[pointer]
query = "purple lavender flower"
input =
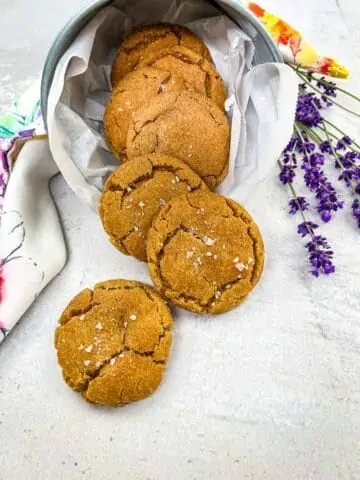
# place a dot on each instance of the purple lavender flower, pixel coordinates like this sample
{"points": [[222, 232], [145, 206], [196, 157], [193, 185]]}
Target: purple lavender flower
{"points": [[317, 182], [321, 256], [292, 144], [307, 228], [356, 211], [298, 204], [306, 147], [307, 111], [287, 175], [329, 88], [326, 147]]}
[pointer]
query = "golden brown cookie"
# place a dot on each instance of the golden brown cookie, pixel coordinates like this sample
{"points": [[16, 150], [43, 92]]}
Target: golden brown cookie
{"points": [[131, 92], [152, 38], [205, 253], [135, 192], [185, 125], [113, 343], [197, 73]]}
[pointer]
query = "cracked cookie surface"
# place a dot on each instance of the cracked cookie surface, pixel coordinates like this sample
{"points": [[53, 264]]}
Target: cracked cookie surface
{"points": [[197, 73], [113, 342], [149, 39], [135, 192], [185, 125], [130, 93], [205, 253]]}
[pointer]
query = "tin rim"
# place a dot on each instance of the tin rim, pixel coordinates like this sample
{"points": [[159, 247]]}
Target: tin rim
{"points": [[69, 32]]}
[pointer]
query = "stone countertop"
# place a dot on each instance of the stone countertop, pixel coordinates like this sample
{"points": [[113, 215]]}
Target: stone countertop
{"points": [[268, 391]]}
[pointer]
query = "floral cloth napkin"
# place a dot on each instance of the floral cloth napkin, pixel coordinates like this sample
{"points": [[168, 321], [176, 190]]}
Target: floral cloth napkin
{"points": [[28, 217]]}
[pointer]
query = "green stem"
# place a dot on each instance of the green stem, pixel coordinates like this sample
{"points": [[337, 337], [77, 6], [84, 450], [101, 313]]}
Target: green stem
{"points": [[340, 131], [295, 197], [304, 79], [312, 134], [335, 86], [298, 132], [349, 147]]}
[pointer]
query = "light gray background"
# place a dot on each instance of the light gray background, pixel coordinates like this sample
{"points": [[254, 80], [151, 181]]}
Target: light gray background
{"points": [[269, 391]]}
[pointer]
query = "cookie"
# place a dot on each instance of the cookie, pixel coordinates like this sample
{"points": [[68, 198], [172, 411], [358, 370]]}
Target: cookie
{"points": [[197, 73], [113, 343], [152, 38], [135, 192], [185, 125], [205, 253], [131, 92]]}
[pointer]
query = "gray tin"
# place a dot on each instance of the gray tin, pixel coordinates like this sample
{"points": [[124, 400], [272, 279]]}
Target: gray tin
{"points": [[265, 48]]}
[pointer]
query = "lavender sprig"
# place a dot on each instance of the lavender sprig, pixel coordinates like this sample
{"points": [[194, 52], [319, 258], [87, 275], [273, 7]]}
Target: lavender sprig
{"points": [[320, 254]]}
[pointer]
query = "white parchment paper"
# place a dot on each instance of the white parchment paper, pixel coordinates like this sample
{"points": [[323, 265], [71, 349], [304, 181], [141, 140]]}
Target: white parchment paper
{"points": [[261, 103]]}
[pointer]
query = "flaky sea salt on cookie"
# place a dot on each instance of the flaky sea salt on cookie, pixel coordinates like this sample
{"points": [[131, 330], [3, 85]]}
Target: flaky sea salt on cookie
{"points": [[197, 73], [113, 342], [205, 253], [132, 91], [185, 125], [136, 191]]}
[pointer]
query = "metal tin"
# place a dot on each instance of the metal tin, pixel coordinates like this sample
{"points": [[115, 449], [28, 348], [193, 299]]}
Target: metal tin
{"points": [[265, 48]]}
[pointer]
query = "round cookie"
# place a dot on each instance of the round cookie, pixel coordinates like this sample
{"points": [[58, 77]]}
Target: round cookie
{"points": [[185, 125], [197, 73], [113, 343], [152, 38], [205, 253], [135, 192], [130, 93]]}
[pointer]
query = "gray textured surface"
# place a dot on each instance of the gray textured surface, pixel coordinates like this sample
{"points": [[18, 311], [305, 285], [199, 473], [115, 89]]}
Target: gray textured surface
{"points": [[27, 29], [269, 391]]}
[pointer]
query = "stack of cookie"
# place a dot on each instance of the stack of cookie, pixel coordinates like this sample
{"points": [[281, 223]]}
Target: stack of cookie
{"points": [[165, 122]]}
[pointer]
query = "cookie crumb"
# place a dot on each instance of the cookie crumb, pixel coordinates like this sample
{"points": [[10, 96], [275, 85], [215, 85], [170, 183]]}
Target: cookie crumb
{"points": [[99, 326]]}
